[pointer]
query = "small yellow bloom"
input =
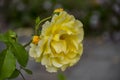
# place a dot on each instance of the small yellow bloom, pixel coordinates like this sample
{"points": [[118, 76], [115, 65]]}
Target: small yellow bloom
{"points": [[35, 39], [60, 44], [58, 10]]}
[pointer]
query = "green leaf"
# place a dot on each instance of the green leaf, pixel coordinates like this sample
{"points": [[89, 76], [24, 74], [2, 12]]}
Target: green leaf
{"points": [[2, 57], [20, 53], [8, 36], [11, 34], [14, 74], [27, 71], [8, 65], [61, 77], [3, 38]]}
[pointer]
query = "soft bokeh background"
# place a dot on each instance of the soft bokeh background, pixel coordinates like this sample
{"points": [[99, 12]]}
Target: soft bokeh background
{"points": [[101, 19]]}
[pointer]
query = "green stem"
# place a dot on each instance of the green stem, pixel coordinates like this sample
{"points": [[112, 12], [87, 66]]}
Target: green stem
{"points": [[37, 26], [22, 75], [28, 43], [45, 19]]}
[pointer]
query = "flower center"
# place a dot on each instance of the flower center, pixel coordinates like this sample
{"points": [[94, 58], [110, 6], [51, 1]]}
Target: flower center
{"points": [[62, 37]]}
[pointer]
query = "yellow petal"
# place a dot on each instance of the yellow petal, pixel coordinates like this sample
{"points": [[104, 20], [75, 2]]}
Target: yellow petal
{"points": [[41, 47], [65, 60], [47, 46], [74, 60], [64, 67], [56, 63], [59, 46], [71, 54], [80, 48], [32, 51], [51, 69], [45, 60]]}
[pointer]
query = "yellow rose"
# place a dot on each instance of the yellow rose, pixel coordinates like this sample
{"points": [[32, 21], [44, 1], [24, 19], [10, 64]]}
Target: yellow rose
{"points": [[60, 44]]}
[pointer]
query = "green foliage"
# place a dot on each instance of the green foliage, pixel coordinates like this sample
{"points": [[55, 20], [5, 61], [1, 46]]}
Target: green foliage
{"points": [[20, 53], [14, 74], [13, 53], [8, 64], [61, 76]]}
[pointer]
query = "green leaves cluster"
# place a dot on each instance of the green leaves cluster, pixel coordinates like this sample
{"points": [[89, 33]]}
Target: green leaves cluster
{"points": [[12, 54]]}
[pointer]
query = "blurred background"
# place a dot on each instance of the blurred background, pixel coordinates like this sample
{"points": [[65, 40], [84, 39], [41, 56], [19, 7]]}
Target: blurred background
{"points": [[101, 19]]}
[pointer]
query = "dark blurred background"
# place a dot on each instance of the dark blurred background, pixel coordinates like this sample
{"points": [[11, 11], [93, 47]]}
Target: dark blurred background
{"points": [[101, 19], [98, 16]]}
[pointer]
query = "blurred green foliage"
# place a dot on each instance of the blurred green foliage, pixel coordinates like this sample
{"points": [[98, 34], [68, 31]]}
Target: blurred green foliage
{"points": [[97, 16], [13, 58], [61, 76]]}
